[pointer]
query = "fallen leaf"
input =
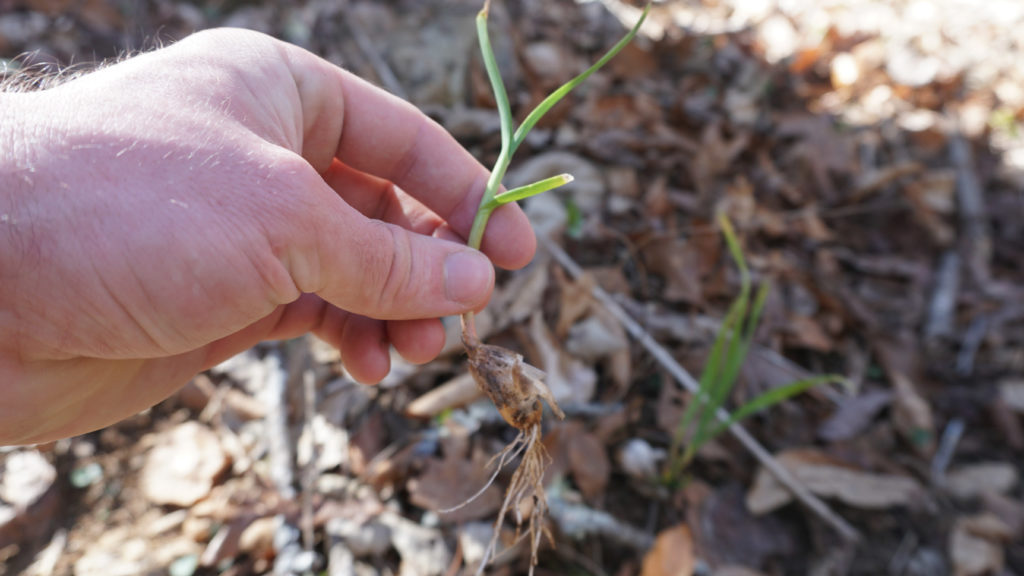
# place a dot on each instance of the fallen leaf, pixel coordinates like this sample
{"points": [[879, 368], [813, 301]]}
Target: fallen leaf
{"points": [[973, 480], [363, 538], [183, 465], [989, 526], [574, 300], [854, 415], [973, 555], [587, 189], [677, 262], [589, 465], [29, 498], [521, 295], [257, 539], [912, 415], [1012, 394], [595, 337], [672, 554], [726, 532], [570, 380], [1009, 510], [422, 549], [452, 480], [715, 155], [828, 478], [805, 332]]}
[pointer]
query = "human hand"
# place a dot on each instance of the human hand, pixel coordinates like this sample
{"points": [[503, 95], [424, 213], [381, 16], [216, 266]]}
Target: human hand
{"points": [[160, 215]]}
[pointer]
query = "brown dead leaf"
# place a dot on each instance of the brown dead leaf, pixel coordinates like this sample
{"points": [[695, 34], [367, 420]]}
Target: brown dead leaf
{"points": [[672, 554], [739, 204], [569, 379], [588, 462], [1008, 423], [1011, 392], [366, 442], [1009, 510], [912, 415], [449, 481], [574, 299], [873, 181], [657, 204], [669, 409], [973, 555], [715, 155], [932, 198], [522, 295], [596, 337], [29, 497], [989, 526], [183, 465], [677, 261], [854, 415], [973, 480], [806, 332], [829, 478], [257, 539], [725, 532]]}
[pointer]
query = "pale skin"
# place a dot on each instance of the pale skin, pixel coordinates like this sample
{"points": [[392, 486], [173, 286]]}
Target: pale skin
{"points": [[165, 213]]}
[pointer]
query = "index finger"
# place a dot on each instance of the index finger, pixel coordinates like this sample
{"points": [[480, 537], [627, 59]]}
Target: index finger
{"points": [[380, 134]]}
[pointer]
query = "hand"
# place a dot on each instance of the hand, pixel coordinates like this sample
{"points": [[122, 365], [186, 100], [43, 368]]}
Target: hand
{"points": [[162, 214]]}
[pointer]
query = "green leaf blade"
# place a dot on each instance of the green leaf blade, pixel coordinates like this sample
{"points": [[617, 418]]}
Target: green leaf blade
{"points": [[548, 103], [494, 76], [775, 396], [538, 187]]}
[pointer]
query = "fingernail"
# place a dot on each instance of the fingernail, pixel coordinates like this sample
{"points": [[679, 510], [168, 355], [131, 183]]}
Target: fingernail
{"points": [[467, 276]]}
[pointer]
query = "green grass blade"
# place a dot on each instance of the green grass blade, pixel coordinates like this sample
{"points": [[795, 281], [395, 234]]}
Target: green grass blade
{"points": [[539, 187], [733, 244], [553, 98], [702, 406], [722, 375], [738, 329], [494, 75], [773, 397], [742, 327]]}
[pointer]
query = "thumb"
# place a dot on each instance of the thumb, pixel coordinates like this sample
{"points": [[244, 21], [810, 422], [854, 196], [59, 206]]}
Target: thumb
{"points": [[384, 271]]}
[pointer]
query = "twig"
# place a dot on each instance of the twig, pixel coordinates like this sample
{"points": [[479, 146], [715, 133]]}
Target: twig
{"points": [[947, 447], [976, 241], [578, 521], [971, 342], [684, 378], [942, 311], [309, 472], [279, 445]]}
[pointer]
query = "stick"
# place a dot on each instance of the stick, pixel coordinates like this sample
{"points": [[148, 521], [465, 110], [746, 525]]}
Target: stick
{"points": [[278, 441], [310, 473], [976, 238], [819, 507]]}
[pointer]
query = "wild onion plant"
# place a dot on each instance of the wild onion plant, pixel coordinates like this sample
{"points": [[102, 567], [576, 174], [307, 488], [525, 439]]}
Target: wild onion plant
{"points": [[703, 418], [517, 388]]}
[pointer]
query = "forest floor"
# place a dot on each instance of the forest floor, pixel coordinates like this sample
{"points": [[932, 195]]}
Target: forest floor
{"points": [[871, 157]]}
